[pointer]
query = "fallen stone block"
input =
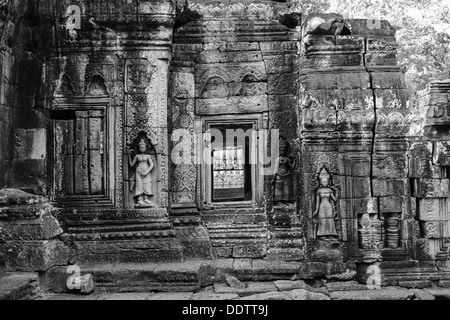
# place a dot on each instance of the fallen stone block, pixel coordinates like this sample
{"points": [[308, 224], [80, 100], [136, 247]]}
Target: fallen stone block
{"points": [[439, 293], [235, 283], [18, 286], [250, 289], [275, 295], [84, 284], [423, 295], [214, 296], [33, 255]]}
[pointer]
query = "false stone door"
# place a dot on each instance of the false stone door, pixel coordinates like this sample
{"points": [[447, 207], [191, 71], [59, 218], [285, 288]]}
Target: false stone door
{"points": [[81, 157]]}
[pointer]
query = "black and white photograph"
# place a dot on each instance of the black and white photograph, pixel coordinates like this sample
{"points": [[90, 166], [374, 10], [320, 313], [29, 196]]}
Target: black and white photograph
{"points": [[225, 158]]}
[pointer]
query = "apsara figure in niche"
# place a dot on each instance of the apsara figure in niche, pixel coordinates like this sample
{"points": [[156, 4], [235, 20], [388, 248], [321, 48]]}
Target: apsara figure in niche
{"points": [[282, 184], [324, 216], [141, 184]]}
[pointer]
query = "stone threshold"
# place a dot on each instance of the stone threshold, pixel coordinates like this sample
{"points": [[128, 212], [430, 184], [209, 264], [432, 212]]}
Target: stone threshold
{"points": [[203, 280], [272, 290]]}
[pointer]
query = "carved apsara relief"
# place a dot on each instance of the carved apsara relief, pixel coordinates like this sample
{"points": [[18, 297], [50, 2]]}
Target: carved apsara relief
{"points": [[142, 164], [282, 183], [325, 214]]}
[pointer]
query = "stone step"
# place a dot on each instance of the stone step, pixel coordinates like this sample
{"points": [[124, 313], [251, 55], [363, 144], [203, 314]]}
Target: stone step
{"points": [[18, 286], [245, 232], [123, 277], [439, 293], [385, 293], [187, 276]]}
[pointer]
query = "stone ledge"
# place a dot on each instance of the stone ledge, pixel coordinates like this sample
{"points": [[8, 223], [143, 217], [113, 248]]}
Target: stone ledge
{"points": [[18, 286]]}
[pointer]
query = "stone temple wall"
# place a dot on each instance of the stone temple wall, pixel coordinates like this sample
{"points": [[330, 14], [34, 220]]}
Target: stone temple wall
{"points": [[235, 63], [95, 113], [22, 130]]}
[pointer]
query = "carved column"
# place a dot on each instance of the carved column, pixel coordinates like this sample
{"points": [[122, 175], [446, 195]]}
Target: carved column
{"points": [[184, 211]]}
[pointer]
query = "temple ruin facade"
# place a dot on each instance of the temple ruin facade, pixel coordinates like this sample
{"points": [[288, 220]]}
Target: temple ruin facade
{"points": [[114, 125]]}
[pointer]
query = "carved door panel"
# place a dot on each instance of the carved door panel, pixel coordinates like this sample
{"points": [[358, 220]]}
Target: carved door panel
{"points": [[80, 162]]}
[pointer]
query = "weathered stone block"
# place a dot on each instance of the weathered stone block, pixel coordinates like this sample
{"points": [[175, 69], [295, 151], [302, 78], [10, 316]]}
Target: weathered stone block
{"points": [[430, 188], [43, 228], [319, 119], [369, 27], [388, 80], [311, 270], [355, 120], [285, 63], [420, 162], [391, 204], [352, 208], [30, 144], [426, 249], [321, 250], [239, 46], [224, 252], [324, 61], [230, 72], [270, 270], [441, 156], [278, 47], [231, 105], [384, 188], [389, 167], [408, 229], [381, 58], [252, 288], [285, 121], [349, 229], [430, 209], [30, 174], [391, 99], [187, 47], [350, 99], [182, 85], [18, 286], [341, 271], [355, 187], [285, 83], [311, 41], [130, 251], [357, 165], [282, 102], [350, 43], [319, 81], [33, 255], [435, 229], [249, 251], [392, 122]]}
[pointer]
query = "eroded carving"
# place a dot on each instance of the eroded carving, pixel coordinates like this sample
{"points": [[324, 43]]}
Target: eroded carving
{"points": [[325, 213], [282, 182], [141, 181], [334, 27]]}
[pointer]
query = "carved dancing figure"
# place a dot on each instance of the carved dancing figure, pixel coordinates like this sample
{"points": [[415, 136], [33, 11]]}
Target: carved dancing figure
{"points": [[141, 179], [325, 215], [282, 183]]}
